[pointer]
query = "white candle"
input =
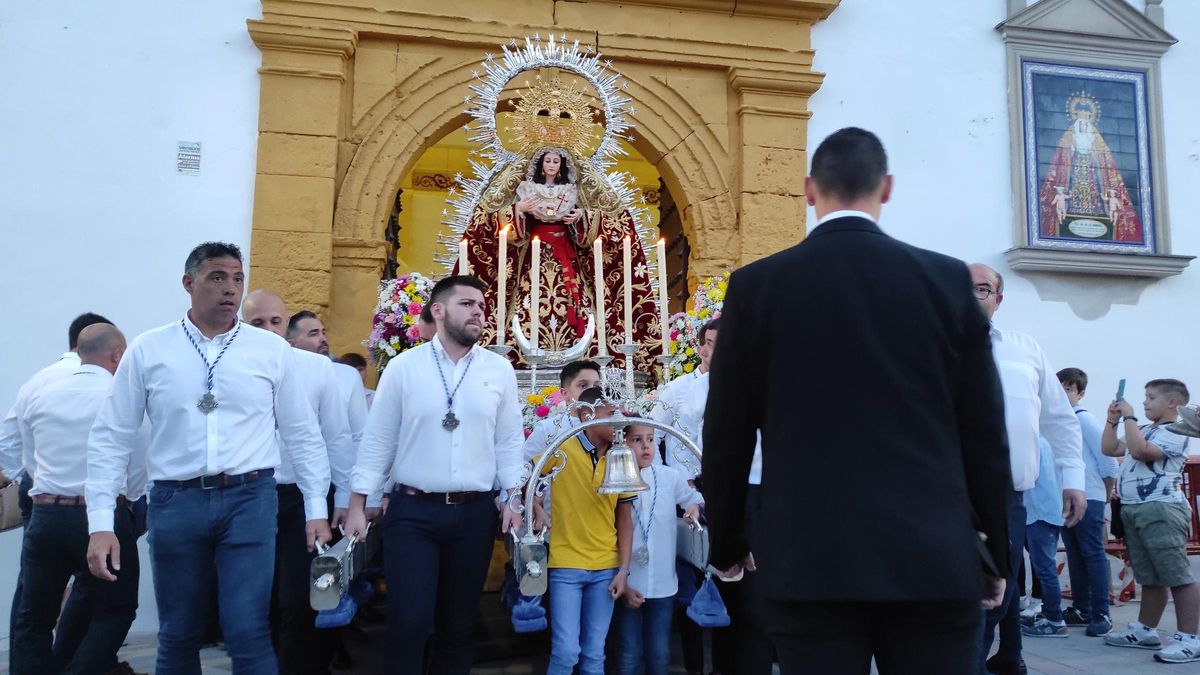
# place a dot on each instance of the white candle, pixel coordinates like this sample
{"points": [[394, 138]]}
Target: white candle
{"points": [[662, 295], [601, 315], [535, 291], [464, 265], [502, 287], [628, 292]]}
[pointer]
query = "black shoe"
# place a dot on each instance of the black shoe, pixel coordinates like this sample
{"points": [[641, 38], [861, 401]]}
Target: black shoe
{"points": [[1030, 620], [1002, 666], [1074, 617]]}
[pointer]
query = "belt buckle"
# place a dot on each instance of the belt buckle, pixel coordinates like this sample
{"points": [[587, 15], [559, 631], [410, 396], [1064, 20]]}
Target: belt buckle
{"points": [[218, 482], [454, 499]]}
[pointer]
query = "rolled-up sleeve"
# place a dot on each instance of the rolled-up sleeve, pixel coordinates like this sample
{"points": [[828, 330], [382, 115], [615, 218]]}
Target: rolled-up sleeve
{"points": [[510, 435], [301, 435], [377, 451], [114, 439]]}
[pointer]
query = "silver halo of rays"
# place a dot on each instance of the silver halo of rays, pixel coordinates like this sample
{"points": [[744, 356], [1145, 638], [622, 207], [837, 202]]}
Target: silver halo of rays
{"points": [[490, 155]]}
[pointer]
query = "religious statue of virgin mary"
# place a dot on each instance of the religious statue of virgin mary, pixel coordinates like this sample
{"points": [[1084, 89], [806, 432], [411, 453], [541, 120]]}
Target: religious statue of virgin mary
{"points": [[553, 196]]}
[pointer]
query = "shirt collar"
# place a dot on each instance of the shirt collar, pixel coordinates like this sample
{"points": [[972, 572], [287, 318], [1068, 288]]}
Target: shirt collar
{"points": [[587, 444], [440, 351], [69, 356], [846, 213], [91, 369], [200, 336]]}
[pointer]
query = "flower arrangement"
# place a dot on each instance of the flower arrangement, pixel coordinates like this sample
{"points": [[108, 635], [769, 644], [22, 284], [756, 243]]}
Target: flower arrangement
{"points": [[394, 327], [684, 327], [540, 405]]}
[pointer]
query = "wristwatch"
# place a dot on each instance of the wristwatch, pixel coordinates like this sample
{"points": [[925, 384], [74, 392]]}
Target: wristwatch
{"points": [[1126, 418]]}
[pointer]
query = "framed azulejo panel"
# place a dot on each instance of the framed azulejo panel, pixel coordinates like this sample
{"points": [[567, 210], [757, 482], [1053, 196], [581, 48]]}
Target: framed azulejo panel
{"points": [[1087, 158]]}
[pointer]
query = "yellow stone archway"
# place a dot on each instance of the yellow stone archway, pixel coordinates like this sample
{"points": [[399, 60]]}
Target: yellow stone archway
{"points": [[352, 94]]}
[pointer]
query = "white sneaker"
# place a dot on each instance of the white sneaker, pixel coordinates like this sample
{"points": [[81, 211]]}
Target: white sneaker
{"points": [[1136, 636], [1032, 608], [1180, 650]]}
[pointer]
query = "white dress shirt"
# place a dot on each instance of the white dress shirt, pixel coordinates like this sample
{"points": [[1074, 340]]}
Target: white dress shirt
{"points": [[544, 431], [1035, 403], [257, 391], [405, 438], [671, 408], [694, 407], [656, 517], [324, 393], [14, 456], [357, 405], [55, 427], [847, 213]]}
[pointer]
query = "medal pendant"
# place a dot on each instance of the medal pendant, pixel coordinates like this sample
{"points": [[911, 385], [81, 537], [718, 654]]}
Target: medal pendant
{"points": [[450, 422], [642, 556], [208, 403]]}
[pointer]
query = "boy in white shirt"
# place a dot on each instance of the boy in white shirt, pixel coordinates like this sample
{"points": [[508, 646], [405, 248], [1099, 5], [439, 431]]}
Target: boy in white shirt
{"points": [[642, 620]]}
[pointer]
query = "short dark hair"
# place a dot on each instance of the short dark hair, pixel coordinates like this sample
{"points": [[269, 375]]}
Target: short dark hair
{"points": [[353, 359], [207, 251], [573, 369], [294, 322], [591, 396], [711, 325], [426, 313], [849, 164], [1170, 387], [443, 288], [82, 321], [1075, 376]]}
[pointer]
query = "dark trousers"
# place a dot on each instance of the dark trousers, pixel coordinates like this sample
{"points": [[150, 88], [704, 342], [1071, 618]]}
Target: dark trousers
{"points": [[1008, 614], [54, 550], [1088, 563], [840, 638], [436, 558], [299, 646], [743, 647], [25, 504], [198, 536]]}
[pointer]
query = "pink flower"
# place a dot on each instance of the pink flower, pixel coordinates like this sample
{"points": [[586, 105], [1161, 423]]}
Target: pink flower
{"points": [[390, 318], [542, 410], [556, 397], [674, 334], [528, 432], [414, 308], [413, 333]]}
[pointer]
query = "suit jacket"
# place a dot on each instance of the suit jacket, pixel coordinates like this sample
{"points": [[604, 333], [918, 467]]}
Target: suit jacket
{"points": [[867, 365]]}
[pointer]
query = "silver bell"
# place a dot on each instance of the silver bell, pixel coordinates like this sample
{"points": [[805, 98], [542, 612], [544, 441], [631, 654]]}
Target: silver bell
{"points": [[621, 473]]}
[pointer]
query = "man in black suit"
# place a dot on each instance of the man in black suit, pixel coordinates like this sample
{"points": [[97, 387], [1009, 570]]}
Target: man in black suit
{"points": [[866, 364]]}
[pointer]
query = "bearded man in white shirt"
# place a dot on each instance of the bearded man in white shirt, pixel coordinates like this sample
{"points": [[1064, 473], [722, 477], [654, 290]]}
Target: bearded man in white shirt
{"points": [[55, 425], [215, 392], [1034, 404], [300, 647], [446, 428]]}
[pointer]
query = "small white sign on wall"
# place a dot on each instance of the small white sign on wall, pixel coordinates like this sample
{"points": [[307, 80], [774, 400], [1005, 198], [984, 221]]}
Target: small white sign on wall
{"points": [[187, 158]]}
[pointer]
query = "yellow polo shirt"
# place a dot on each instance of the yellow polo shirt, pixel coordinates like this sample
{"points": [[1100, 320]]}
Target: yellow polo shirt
{"points": [[584, 530]]}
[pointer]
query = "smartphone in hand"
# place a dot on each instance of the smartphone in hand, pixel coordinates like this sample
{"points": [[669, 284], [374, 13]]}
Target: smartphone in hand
{"points": [[1121, 391]]}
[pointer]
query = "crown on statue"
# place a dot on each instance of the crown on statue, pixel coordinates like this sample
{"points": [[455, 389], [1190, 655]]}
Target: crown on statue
{"points": [[553, 113]]}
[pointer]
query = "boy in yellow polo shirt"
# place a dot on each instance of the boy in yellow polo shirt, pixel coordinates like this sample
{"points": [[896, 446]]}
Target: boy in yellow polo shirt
{"points": [[590, 549]]}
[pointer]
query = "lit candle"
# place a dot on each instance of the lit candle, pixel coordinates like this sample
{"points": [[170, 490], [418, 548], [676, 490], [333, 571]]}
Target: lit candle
{"points": [[502, 287], [662, 295], [601, 315], [464, 265], [628, 292], [535, 291]]}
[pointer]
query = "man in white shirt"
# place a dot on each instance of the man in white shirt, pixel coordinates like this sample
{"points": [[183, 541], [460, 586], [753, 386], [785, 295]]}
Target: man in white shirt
{"points": [[14, 457], [446, 428], [54, 426], [1034, 404], [300, 647], [672, 407], [215, 391]]}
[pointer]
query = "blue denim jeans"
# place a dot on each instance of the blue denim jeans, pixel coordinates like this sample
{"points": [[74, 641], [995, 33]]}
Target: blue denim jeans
{"points": [[194, 532], [580, 611], [1009, 622], [644, 636], [1088, 563], [1041, 538]]}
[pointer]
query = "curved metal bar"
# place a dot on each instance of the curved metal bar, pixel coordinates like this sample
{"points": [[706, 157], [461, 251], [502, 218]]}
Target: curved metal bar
{"points": [[555, 358], [617, 420]]}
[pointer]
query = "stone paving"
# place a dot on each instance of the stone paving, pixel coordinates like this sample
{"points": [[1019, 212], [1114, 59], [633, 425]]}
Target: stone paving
{"points": [[1075, 655]]}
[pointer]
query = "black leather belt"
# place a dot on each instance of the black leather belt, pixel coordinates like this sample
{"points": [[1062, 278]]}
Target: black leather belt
{"points": [[443, 497], [219, 481], [69, 500]]}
